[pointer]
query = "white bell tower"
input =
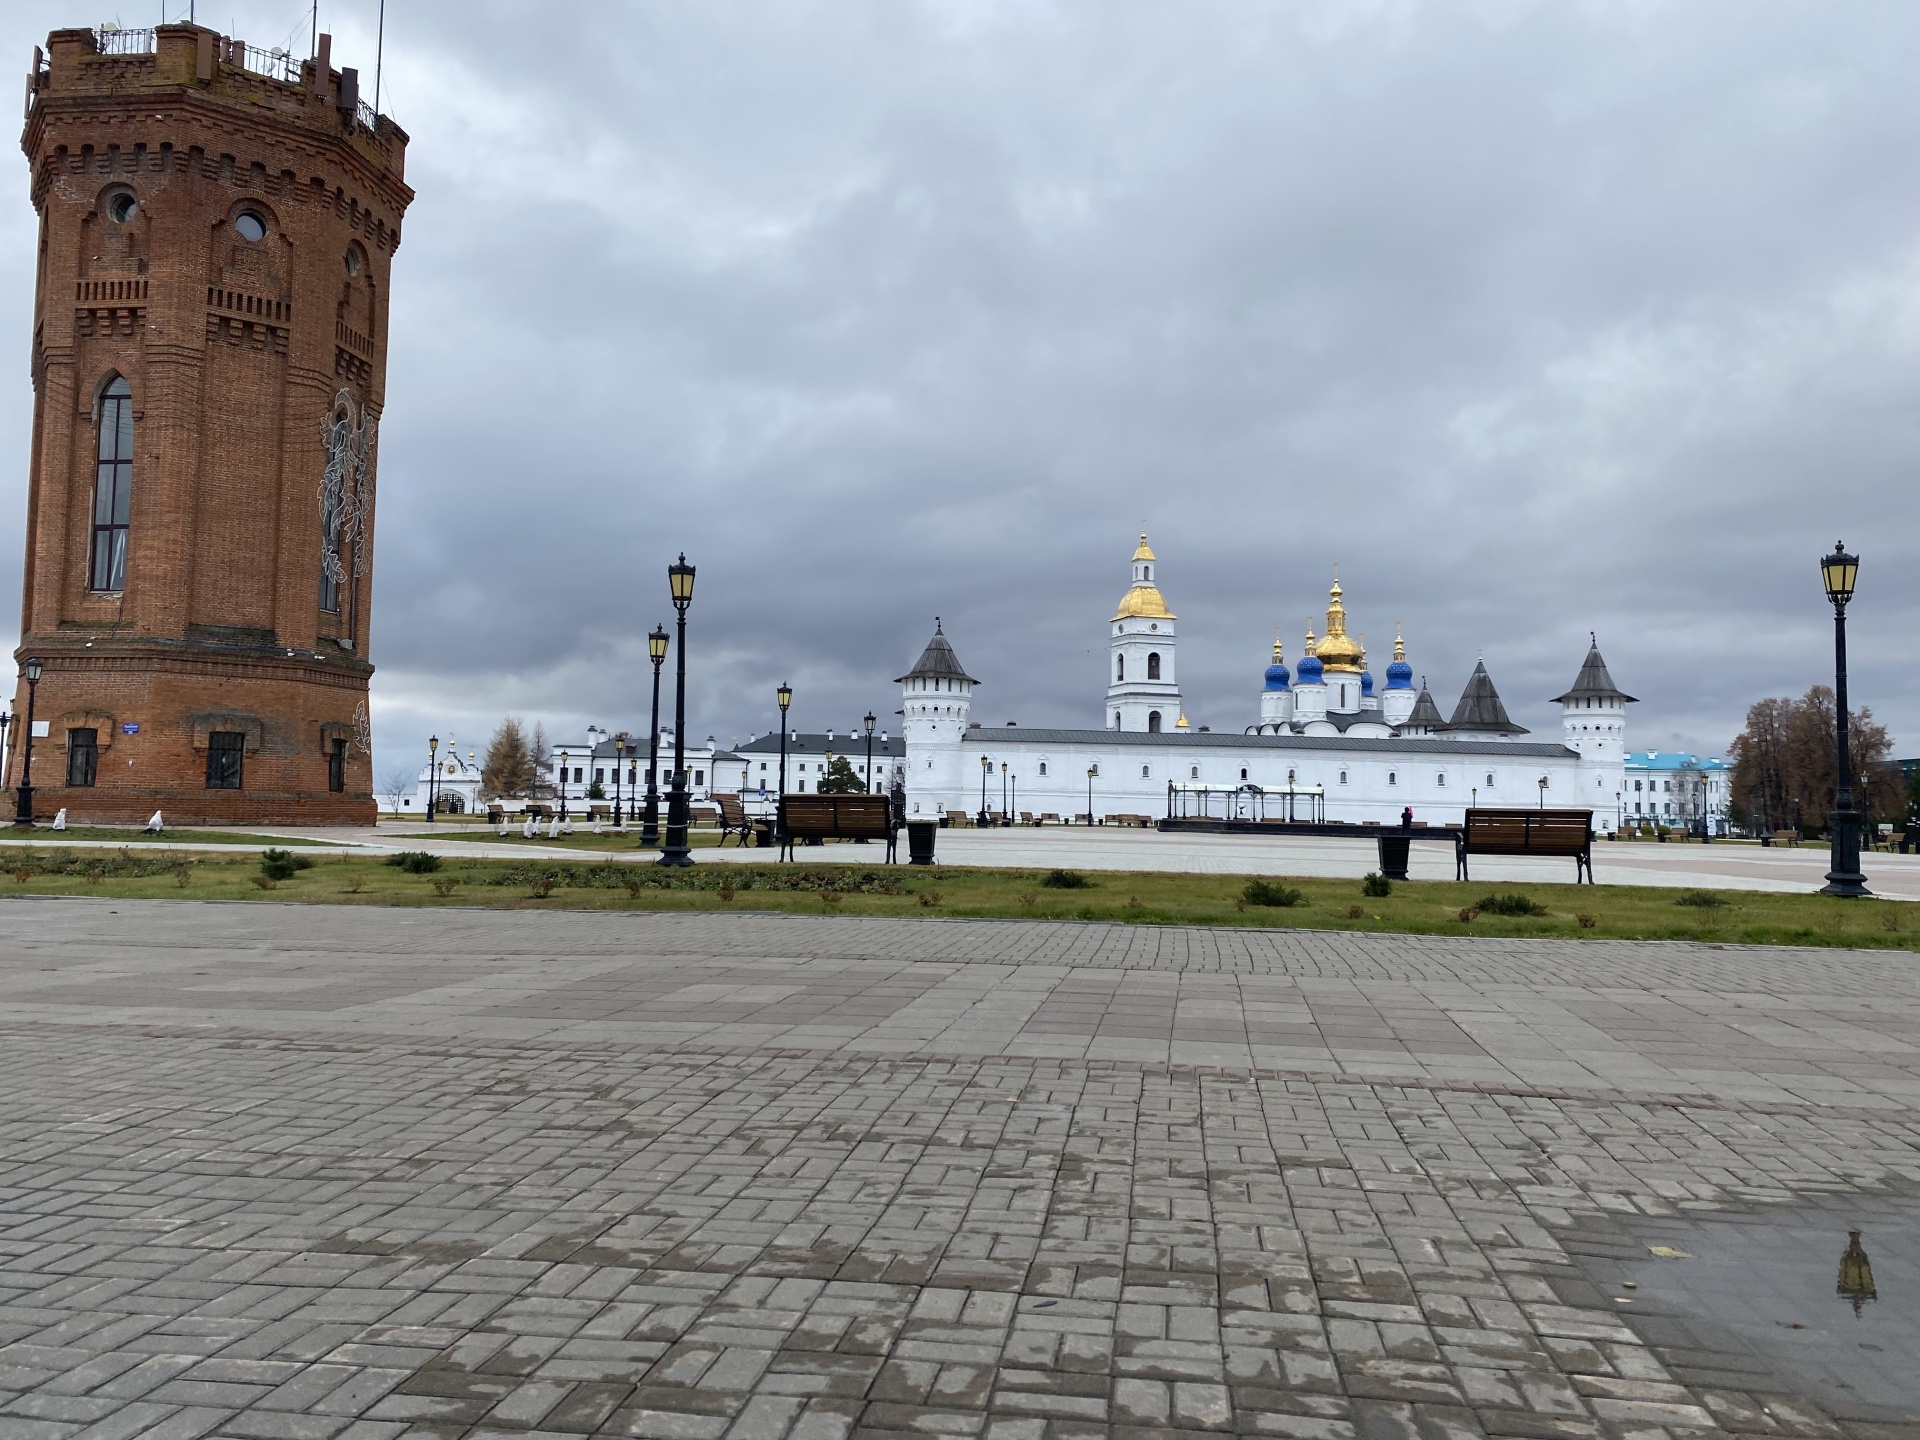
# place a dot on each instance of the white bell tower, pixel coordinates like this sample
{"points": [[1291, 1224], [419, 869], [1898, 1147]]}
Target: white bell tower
{"points": [[1142, 693]]}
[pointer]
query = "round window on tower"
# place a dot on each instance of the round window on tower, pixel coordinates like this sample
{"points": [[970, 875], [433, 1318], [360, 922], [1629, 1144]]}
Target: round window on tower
{"points": [[121, 206], [251, 227]]}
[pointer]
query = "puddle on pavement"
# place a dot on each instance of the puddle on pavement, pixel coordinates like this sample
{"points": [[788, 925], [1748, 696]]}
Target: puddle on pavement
{"points": [[1820, 1301]]}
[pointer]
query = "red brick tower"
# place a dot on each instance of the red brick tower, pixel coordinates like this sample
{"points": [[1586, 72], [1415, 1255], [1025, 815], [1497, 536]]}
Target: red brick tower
{"points": [[217, 228]]}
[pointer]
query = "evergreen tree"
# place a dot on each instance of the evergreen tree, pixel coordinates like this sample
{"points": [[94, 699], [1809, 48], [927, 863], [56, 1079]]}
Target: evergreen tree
{"points": [[509, 766], [840, 779]]}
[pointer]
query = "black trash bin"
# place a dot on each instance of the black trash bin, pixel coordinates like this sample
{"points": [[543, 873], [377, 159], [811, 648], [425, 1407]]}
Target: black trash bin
{"points": [[1393, 854], [920, 835]]}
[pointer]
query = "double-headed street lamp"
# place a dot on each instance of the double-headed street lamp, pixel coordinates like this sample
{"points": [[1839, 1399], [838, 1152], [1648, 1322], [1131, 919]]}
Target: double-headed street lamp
{"points": [[23, 812], [1839, 570], [868, 722], [650, 817], [433, 772], [676, 851]]}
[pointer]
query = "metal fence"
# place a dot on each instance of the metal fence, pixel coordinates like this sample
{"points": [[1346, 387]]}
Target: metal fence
{"points": [[275, 64], [112, 40]]}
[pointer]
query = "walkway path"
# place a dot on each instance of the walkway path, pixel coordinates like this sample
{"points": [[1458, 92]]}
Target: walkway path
{"points": [[286, 1171]]}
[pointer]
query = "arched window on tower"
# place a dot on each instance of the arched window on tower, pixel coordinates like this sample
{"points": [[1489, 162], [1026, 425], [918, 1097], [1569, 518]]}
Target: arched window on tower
{"points": [[1119, 667], [112, 489], [1153, 721], [1153, 665]]}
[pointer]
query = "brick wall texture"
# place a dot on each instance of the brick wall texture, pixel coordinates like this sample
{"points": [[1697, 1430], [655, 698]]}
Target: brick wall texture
{"points": [[220, 239]]}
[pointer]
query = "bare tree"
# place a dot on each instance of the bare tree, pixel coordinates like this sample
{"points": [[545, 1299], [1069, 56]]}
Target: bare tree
{"points": [[396, 784], [1785, 768]]}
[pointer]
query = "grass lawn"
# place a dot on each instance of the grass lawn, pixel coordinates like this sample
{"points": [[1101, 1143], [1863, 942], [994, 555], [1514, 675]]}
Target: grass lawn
{"points": [[128, 835], [1418, 907], [582, 838]]}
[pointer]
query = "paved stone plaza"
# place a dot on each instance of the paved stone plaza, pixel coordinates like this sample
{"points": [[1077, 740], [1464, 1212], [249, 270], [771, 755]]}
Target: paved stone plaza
{"points": [[285, 1172]]}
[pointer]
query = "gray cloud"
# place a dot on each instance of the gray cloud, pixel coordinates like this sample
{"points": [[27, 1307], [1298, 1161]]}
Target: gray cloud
{"points": [[1539, 318]]}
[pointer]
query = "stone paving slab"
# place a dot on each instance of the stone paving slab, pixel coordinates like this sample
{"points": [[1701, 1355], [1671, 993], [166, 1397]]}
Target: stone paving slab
{"points": [[278, 1172]]}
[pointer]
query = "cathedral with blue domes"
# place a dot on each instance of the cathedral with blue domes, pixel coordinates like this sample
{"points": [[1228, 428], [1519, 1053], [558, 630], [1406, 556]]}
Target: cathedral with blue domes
{"points": [[1326, 741]]}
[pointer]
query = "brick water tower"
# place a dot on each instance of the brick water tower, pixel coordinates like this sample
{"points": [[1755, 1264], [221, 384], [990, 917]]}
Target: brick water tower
{"points": [[217, 230]]}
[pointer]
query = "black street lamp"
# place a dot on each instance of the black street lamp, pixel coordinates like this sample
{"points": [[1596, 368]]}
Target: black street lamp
{"points": [[676, 851], [1093, 770], [6, 755], [986, 769], [23, 812], [619, 744], [1015, 805], [650, 817], [564, 761], [868, 722], [785, 696], [1006, 815], [433, 772], [1839, 570]]}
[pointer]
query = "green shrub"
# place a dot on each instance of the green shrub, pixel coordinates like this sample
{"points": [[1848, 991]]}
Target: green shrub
{"points": [[282, 864], [1701, 900], [1510, 905], [1065, 880], [414, 862], [1261, 892], [1376, 885]]}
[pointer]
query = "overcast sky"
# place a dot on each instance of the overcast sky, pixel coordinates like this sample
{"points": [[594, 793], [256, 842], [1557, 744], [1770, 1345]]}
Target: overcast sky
{"points": [[1537, 318]]}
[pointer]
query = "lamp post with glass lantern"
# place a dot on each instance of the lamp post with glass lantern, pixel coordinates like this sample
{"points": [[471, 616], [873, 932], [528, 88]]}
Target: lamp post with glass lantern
{"points": [[676, 851], [1092, 770], [1542, 783], [986, 769], [1014, 803], [868, 722], [784, 696], [650, 817], [619, 745], [6, 755], [23, 812], [1006, 815], [433, 772], [1839, 571], [564, 760]]}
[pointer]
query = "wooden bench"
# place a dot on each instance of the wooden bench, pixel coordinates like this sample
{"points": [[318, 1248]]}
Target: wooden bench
{"points": [[1527, 832], [836, 817], [958, 819], [733, 818]]}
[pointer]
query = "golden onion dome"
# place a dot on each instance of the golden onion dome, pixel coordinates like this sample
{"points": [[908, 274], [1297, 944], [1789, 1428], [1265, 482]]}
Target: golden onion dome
{"points": [[1143, 602], [1181, 723], [1339, 650]]}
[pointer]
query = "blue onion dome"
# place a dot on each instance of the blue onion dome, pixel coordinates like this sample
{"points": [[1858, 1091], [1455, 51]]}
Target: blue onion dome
{"points": [[1310, 669], [1276, 676], [1399, 673], [1366, 683]]}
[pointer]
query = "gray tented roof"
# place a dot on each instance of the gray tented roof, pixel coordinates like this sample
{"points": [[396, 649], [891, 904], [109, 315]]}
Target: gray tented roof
{"points": [[1425, 712], [1437, 747], [937, 662], [1480, 708], [1593, 682]]}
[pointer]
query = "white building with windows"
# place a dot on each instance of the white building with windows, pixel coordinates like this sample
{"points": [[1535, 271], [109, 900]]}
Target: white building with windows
{"points": [[616, 766], [752, 770], [1678, 791], [1322, 743]]}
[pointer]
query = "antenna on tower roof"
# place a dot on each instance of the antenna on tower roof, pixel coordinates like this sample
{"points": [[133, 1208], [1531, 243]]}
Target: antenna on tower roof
{"points": [[379, 54]]}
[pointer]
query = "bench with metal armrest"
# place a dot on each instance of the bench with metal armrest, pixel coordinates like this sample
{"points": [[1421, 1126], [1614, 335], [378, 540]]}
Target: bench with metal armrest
{"points": [[1567, 833], [836, 817]]}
